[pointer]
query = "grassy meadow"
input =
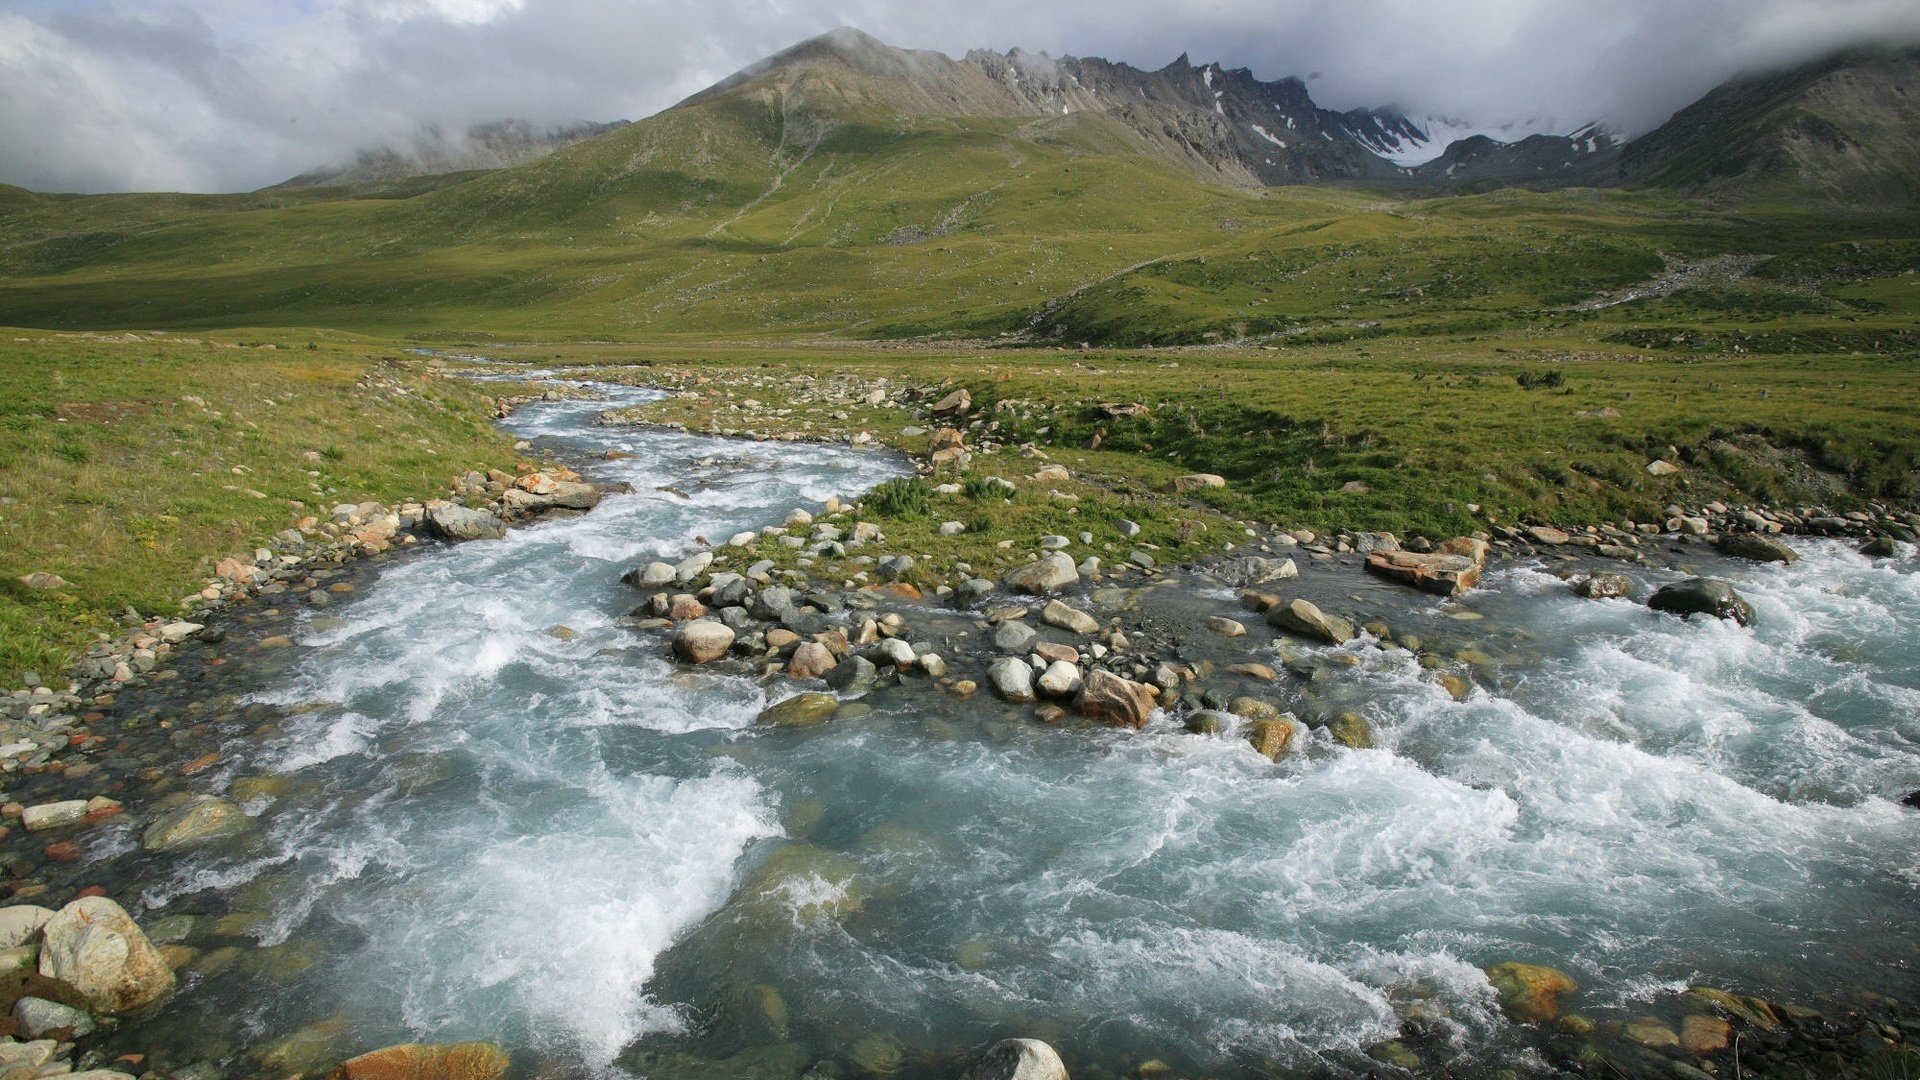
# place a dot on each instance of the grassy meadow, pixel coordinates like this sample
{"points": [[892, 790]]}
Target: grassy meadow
{"points": [[129, 463], [1344, 357]]}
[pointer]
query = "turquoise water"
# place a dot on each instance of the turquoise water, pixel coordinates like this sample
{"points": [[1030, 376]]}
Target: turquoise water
{"points": [[490, 831]]}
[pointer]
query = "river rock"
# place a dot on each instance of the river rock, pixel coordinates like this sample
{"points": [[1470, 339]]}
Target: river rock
{"points": [[972, 592], [451, 521], [1880, 547], [53, 815], [1207, 722], [1226, 627], [1302, 617], [810, 661], [1530, 993], [1069, 618], [953, 404], [200, 822], [691, 567], [1011, 678], [854, 675], [1060, 680], [1603, 586], [94, 946], [1440, 574], [563, 494], [417, 1061], [1055, 571], [1470, 547], [893, 652], [702, 641], [1199, 481], [38, 1016], [1112, 700], [1013, 637], [1703, 596], [1756, 547], [1018, 1059], [1254, 570], [1271, 738], [800, 710], [1350, 729], [21, 923]]}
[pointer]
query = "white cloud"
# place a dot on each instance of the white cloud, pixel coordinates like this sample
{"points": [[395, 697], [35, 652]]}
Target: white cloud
{"points": [[231, 94]]}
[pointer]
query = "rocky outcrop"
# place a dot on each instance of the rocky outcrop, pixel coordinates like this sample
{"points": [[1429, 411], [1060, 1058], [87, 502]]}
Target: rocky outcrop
{"points": [[1703, 596], [1437, 573], [94, 946]]}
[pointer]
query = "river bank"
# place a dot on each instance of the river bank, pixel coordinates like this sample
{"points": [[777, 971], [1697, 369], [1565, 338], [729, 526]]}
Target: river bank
{"points": [[276, 743]]}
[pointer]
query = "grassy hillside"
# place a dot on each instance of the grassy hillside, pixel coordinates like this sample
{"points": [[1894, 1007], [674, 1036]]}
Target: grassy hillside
{"points": [[129, 461]]}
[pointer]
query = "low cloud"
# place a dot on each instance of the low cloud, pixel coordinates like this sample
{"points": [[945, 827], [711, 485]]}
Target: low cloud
{"points": [[222, 95]]}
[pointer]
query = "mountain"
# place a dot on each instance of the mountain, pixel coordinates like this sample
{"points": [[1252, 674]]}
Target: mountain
{"points": [[432, 151], [1223, 124], [1842, 129], [843, 187], [1589, 156]]}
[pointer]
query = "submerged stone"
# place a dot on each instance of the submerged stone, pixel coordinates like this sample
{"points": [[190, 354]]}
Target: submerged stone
{"points": [[1530, 993], [417, 1061]]}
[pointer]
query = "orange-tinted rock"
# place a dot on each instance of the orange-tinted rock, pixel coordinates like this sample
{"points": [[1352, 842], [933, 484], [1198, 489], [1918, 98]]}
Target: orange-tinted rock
{"points": [[1444, 575], [419, 1061], [1530, 993], [1704, 1035]]}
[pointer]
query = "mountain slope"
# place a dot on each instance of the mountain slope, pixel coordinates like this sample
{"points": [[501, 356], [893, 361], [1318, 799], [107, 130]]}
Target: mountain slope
{"points": [[1845, 129], [431, 152]]}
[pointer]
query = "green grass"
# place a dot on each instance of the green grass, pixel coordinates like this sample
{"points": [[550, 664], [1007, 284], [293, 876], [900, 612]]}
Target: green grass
{"points": [[1345, 358], [128, 462]]}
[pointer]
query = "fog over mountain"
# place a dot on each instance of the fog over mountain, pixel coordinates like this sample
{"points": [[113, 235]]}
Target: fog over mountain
{"points": [[221, 95]]}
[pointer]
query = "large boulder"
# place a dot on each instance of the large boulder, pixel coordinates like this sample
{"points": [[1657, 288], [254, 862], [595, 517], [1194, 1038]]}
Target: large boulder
{"points": [[451, 521], [1756, 547], [196, 824], [1703, 596], [1304, 618], [1055, 571], [1018, 1059], [1443, 575], [94, 946], [1110, 699], [1060, 680], [417, 1061], [702, 641]]}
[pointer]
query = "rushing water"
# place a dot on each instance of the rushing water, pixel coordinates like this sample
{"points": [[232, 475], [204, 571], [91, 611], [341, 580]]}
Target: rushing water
{"points": [[485, 829]]}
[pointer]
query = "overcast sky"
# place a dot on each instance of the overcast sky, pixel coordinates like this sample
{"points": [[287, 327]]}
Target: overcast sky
{"points": [[223, 95]]}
